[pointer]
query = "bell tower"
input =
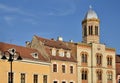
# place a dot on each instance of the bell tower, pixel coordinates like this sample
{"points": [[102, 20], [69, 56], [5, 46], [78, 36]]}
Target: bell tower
{"points": [[90, 27]]}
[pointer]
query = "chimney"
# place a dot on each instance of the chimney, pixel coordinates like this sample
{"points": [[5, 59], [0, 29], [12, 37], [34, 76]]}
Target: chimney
{"points": [[27, 43], [60, 38]]}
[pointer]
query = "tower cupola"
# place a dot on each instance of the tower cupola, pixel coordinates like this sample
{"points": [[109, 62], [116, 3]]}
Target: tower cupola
{"points": [[91, 14], [90, 27]]}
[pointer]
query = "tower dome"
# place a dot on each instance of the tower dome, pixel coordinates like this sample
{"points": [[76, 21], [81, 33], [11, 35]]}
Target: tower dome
{"points": [[91, 14]]}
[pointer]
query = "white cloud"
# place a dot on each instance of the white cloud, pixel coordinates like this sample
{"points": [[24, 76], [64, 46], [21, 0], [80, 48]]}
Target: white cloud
{"points": [[61, 8], [8, 19], [14, 10]]}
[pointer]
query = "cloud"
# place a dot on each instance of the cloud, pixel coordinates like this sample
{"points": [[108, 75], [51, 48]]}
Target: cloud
{"points": [[32, 21], [14, 10], [62, 8], [8, 19]]}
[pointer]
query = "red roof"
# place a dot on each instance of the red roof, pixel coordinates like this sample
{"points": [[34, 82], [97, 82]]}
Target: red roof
{"points": [[53, 43], [117, 64], [25, 52]]}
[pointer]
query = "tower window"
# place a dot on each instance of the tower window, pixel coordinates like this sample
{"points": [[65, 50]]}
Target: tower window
{"points": [[90, 30], [96, 30], [85, 31]]}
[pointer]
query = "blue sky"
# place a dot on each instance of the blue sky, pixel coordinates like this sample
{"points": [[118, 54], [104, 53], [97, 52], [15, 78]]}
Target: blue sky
{"points": [[20, 20]]}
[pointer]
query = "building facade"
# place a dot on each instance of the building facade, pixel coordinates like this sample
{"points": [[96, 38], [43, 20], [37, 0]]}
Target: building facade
{"points": [[63, 65], [31, 69], [96, 61]]}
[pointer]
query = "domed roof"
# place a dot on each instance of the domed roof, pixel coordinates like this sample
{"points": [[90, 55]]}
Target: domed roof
{"points": [[91, 14]]}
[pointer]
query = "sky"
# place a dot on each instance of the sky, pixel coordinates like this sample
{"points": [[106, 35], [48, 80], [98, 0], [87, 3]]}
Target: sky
{"points": [[20, 20]]}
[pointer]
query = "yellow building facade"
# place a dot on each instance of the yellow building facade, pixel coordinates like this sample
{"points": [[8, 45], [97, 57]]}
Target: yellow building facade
{"points": [[28, 70]]}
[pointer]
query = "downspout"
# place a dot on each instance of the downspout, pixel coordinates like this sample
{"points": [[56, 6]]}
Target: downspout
{"points": [[91, 62]]}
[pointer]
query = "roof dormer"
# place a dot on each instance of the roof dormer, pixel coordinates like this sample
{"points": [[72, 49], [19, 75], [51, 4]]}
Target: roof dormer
{"points": [[35, 55]]}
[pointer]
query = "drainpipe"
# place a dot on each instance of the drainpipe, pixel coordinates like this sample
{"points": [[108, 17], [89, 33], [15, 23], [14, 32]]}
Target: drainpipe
{"points": [[91, 63]]}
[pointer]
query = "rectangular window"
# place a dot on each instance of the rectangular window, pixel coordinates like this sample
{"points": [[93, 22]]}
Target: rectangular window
{"points": [[54, 67], [44, 78], [63, 82], [71, 82], [71, 69], [55, 82], [22, 77], [35, 78], [10, 77], [63, 68]]}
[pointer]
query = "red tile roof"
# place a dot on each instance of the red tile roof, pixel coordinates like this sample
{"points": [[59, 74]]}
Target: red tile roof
{"points": [[117, 64], [118, 58], [53, 43], [56, 44], [25, 52]]}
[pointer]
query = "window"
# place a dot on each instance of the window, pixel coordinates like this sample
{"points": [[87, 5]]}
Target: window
{"points": [[119, 81], [84, 75], [84, 57], [55, 82], [99, 75], [35, 78], [90, 30], [63, 68], [71, 82], [61, 54], [96, 30], [44, 78], [67, 54], [85, 31], [10, 77], [63, 82], [53, 52], [109, 61], [99, 59], [71, 69], [54, 67], [109, 75], [22, 77], [34, 55]]}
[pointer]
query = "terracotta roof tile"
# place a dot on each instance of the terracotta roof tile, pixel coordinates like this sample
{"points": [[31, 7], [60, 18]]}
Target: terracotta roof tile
{"points": [[24, 51], [53, 43]]}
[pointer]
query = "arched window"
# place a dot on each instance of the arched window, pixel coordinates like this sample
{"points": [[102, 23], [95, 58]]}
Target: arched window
{"points": [[85, 30], [119, 81], [109, 76], [84, 58], [96, 30], [99, 59], [84, 74], [109, 60], [90, 30], [99, 75]]}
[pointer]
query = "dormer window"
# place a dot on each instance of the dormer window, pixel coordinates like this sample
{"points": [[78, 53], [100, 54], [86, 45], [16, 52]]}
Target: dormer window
{"points": [[61, 53], [35, 55], [12, 51], [53, 52], [68, 54]]}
